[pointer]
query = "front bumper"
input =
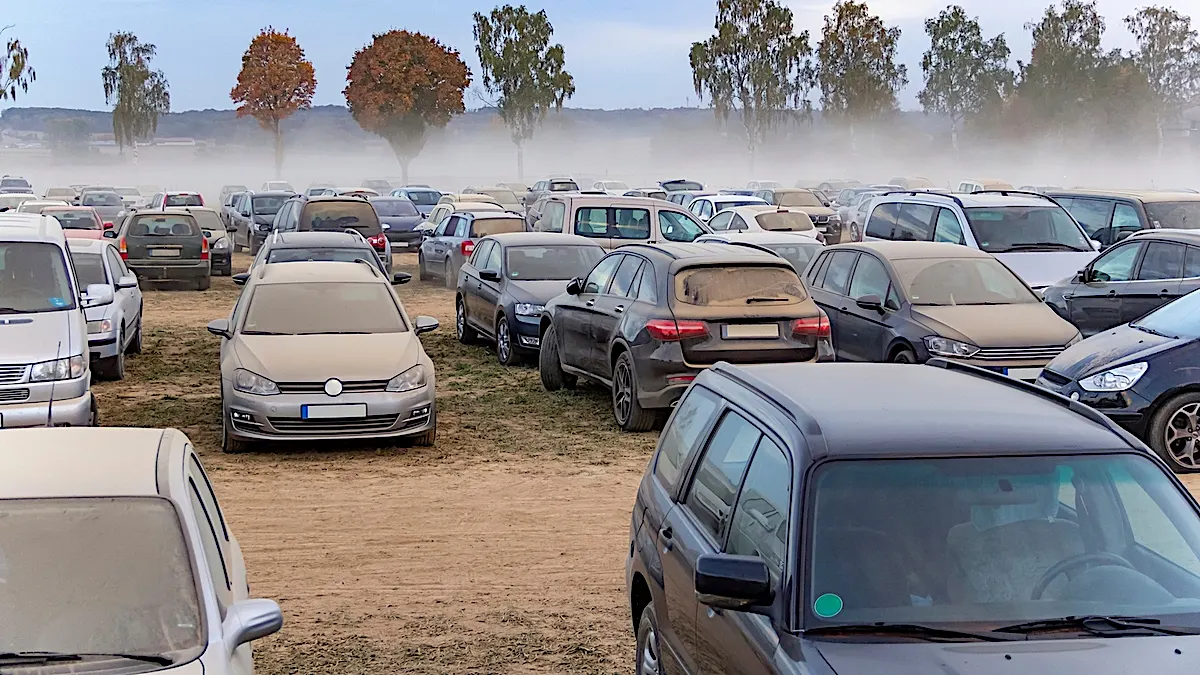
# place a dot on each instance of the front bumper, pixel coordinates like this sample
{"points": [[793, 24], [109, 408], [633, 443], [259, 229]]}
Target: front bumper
{"points": [[525, 333], [102, 345], [1127, 408], [278, 417], [220, 259], [149, 269], [73, 412]]}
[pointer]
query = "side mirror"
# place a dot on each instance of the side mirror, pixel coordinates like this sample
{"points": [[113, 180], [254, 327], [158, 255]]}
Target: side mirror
{"points": [[1096, 246], [249, 620], [575, 286], [424, 324], [1085, 275], [220, 328], [489, 275], [385, 227], [401, 278], [97, 294], [110, 234], [735, 582], [870, 302], [241, 278], [128, 281]]}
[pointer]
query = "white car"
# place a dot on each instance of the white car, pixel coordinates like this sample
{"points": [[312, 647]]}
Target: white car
{"points": [[116, 557], [36, 205], [114, 328], [795, 247], [278, 186], [14, 200], [854, 215], [614, 188], [765, 218], [707, 206]]}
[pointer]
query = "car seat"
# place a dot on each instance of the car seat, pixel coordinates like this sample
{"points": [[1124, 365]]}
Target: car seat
{"points": [[139, 229]]}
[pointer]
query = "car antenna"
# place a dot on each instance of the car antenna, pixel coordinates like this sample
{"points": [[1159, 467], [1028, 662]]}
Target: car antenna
{"points": [[50, 405]]}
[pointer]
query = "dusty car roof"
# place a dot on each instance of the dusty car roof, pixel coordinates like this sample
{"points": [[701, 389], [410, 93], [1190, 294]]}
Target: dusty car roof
{"points": [[317, 271], [87, 245], [542, 239], [1150, 196], [79, 462], [316, 239], [904, 250], [29, 227]]}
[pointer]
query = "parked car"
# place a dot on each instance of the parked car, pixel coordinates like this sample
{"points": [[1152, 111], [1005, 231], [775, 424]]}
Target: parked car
{"points": [[793, 247], [45, 378], [14, 185], [165, 245], [1142, 375], [253, 217], [837, 184], [501, 195], [319, 190], [65, 194], [422, 197], [825, 218], [229, 204], [107, 205], [277, 186], [347, 246], [162, 200], [401, 218], [848, 195], [445, 209], [1030, 234], [765, 218], [614, 188], [520, 189], [756, 185], [616, 221], [982, 184], [78, 222], [36, 205], [336, 214], [227, 190], [323, 350], [115, 328], [11, 201], [913, 183], [220, 247], [444, 252], [681, 185], [360, 192], [704, 208], [685, 197], [652, 193], [544, 188], [130, 196], [856, 211], [648, 319], [906, 302], [379, 185], [504, 286], [776, 532], [1110, 216]]}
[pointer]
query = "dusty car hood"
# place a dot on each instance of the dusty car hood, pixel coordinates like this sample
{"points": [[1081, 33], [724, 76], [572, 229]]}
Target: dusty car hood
{"points": [[36, 337], [316, 358], [1110, 349], [1113, 656], [1031, 324], [1043, 268], [536, 292]]}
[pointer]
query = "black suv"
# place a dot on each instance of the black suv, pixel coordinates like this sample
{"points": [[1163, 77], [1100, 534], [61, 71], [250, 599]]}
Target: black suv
{"points": [[648, 318], [853, 518]]}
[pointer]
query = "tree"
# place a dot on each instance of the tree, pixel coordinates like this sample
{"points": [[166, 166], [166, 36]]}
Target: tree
{"points": [[756, 64], [402, 84], [1059, 80], [856, 64], [276, 81], [15, 71], [138, 95], [522, 69], [964, 74], [1168, 55], [68, 136]]}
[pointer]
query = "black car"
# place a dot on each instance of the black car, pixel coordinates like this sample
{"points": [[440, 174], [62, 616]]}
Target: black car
{"points": [[1109, 216], [859, 519], [253, 216], [1145, 376], [1137, 276], [349, 246], [401, 218], [648, 318], [504, 287]]}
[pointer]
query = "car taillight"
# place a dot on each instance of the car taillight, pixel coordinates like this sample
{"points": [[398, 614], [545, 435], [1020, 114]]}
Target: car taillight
{"points": [[811, 326], [204, 249], [467, 247], [123, 249], [378, 242], [671, 331]]}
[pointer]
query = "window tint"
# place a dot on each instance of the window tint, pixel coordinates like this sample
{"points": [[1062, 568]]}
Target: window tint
{"points": [[616, 223], [1126, 218], [692, 416], [883, 221], [719, 475], [1163, 260], [915, 223], [598, 280], [648, 285], [479, 255], [553, 216], [838, 275], [207, 495], [212, 549], [948, 229], [816, 271], [760, 520], [1117, 264], [678, 227], [1191, 266], [626, 273], [114, 263], [446, 225], [870, 278]]}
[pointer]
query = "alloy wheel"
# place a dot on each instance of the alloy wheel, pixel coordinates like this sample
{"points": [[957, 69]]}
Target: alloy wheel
{"points": [[622, 392], [503, 341], [648, 659], [460, 321], [1182, 435]]}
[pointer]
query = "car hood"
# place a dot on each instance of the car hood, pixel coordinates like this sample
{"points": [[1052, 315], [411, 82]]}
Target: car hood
{"points": [[1110, 349], [36, 337], [109, 212], [401, 223], [1111, 656], [536, 292], [1043, 268], [1030, 324], [264, 219], [316, 358]]}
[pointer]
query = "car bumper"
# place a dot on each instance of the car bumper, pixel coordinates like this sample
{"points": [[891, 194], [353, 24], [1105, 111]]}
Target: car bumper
{"points": [[220, 259], [404, 240], [102, 345], [278, 417], [147, 269], [74, 412], [1129, 409], [525, 333]]}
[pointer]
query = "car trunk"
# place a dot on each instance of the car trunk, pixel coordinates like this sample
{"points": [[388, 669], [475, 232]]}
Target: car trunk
{"points": [[165, 240]]}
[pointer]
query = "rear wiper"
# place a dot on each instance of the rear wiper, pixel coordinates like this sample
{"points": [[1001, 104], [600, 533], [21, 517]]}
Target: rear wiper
{"points": [[915, 630], [753, 299], [14, 658], [1100, 625]]}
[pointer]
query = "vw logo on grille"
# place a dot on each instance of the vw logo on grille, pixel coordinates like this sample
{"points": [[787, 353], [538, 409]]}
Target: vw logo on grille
{"points": [[333, 386]]}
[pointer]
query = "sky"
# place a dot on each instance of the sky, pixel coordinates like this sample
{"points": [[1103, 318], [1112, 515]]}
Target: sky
{"points": [[622, 53]]}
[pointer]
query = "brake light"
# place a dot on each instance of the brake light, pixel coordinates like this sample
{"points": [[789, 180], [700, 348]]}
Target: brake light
{"points": [[811, 326], [467, 247], [123, 249], [672, 331], [204, 249], [378, 242]]}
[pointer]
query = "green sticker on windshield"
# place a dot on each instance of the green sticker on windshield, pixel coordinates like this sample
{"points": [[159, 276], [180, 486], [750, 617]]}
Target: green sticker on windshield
{"points": [[828, 606]]}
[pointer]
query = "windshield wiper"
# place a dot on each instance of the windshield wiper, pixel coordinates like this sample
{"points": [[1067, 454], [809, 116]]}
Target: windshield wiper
{"points": [[915, 630], [335, 332], [14, 658], [753, 299], [1154, 332], [263, 332], [1100, 625], [1042, 244]]}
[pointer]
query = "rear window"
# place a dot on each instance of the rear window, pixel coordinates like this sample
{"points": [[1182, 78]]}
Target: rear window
{"points": [[73, 220], [183, 200], [100, 199], [268, 205], [1177, 215], [787, 221], [803, 198], [423, 197], [564, 186], [89, 269], [502, 196], [208, 220], [164, 226], [486, 227], [282, 255], [336, 216], [739, 286], [394, 208], [797, 254], [616, 223], [127, 192], [60, 192], [14, 182]]}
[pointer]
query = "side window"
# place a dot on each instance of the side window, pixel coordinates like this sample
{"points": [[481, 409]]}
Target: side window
{"points": [[837, 278], [719, 476], [212, 549], [676, 226], [207, 495], [552, 217], [648, 285], [706, 209], [738, 224], [492, 262], [1093, 214], [443, 226], [948, 229], [601, 274], [883, 220], [870, 278], [479, 255], [817, 270], [721, 221], [1191, 265], [1153, 528], [626, 273], [1116, 264], [1163, 260], [915, 223], [1125, 219], [760, 520], [692, 416], [694, 207], [114, 264], [463, 229]]}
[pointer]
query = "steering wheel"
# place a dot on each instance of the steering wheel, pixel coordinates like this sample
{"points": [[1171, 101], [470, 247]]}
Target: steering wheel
{"points": [[1069, 564]]}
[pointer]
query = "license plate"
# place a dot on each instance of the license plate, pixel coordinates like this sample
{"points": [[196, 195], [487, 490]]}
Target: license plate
{"points": [[750, 332], [1029, 374], [399, 244], [324, 412], [164, 253]]}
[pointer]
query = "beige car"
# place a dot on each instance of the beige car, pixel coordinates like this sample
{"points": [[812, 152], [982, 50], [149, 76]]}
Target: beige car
{"points": [[969, 186], [501, 195], [445, 207], [323, 350], [614, 221], [36, 205], [826, 219]]}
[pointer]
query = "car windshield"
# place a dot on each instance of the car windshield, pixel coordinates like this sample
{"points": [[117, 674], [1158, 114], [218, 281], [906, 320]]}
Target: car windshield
{"points": [[1003, 229], [999, 541], [394, 207], [1178, 215], [423, 197], [13, 201], [550, 263], [961, 281], [73, 219], [127, 192], [183, 200], [613, 185], [1179, 319], [164, 226], [89, 268], [33, 278], [208, 220], [682, 185], [739, 286], [283, 255], [311, 308], [485, 227], [798, 254], [13, 183], [801, 198], [797, 221], [502, 196], [337, 216], [269, 205], [60, 192], [100, 199]]}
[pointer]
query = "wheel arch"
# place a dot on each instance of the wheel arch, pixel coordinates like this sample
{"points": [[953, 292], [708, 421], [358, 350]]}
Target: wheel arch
{"points": [[896, 345], [639, 598], [1162, 399]]}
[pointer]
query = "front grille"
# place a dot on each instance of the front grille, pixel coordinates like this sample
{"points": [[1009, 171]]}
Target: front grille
{"points": [[361, 387], [821, 220], [357, 425], [1019, 353], [8, 395], [12, 374], [1054, 378]]}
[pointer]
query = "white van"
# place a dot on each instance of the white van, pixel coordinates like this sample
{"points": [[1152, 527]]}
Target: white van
{"points": [[45, 378]]}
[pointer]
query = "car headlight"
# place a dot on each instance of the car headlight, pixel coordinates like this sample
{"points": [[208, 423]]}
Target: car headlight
{"points": [[1116, 379], [250, 383], [220, 244], [529, 309], [835, 218], [104, 326], [944, 347], [411, 379], [59, 369]]}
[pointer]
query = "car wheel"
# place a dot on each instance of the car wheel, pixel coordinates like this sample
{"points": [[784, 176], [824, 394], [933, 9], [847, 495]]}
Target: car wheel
{"points": [[505, 352], [451, 275], [427, 439], [229, 444], [630, 414], [135, 344], [1175, 433], [649, 654], [95, 421], [904, 355], [204, 284], [421, 273], [466, 334], [549, 365]]}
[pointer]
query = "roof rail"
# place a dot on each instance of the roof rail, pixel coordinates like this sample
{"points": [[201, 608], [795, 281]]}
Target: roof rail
{"points": [[746, 244], [351, 230], [924, 193], [1018, 193], [652, 247], [370, 265]]}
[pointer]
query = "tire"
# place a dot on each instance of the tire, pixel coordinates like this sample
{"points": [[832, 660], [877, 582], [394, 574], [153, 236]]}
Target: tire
{"points": [[466, 334], [421, 273], [135, 344], [113, 367], [95, 421], [254, 246], [427, 439], [229, 444], [550, 366], [630, 414], [649, 653], [1174, 433], [506, 353], [904, 355], [204, 284], [451, 275]]}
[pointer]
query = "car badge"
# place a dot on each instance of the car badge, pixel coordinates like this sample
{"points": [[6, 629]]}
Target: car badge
{"points": [[333, 386]]}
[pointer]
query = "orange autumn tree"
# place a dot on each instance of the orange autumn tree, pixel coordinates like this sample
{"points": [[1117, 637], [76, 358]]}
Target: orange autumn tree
{"points": [[276, 81], [402, 84]]}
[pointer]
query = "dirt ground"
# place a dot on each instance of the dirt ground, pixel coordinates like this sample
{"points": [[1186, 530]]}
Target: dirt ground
{"points": [[499, 550]]}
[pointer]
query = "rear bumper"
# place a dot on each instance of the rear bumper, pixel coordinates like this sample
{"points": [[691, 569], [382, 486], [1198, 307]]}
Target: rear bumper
{"points": [[410, 239], [149, 269], [75, 412], [102, 345]]}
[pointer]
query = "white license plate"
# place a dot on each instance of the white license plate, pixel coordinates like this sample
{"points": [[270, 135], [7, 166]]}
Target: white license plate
{"points": [[164, 253], [399, 244], [324, 412], [750, 332], [1029, 374]]}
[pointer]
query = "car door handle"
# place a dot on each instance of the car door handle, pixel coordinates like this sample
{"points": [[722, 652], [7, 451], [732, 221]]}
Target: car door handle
{"points": [[590, 303], [1164, 293], [1068, 296], [619, 308], [1112, 294], [666, 536]]}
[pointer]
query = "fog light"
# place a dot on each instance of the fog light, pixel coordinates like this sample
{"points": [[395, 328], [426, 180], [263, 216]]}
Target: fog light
{"points": [[527, 341], [1074, 396], [419, 412], [239, 416]]}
